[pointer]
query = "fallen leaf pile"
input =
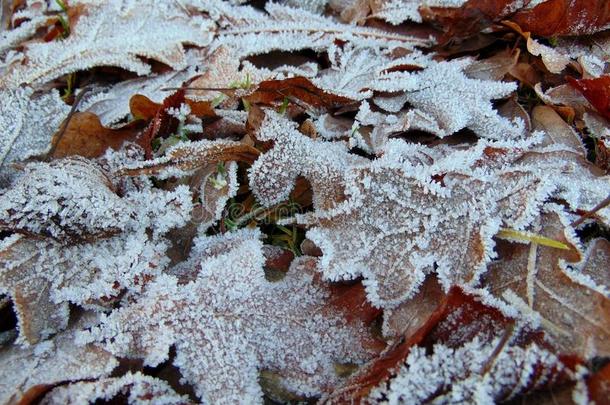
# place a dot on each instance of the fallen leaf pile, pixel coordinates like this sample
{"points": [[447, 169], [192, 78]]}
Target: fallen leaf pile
{"points": [[317, 201]]}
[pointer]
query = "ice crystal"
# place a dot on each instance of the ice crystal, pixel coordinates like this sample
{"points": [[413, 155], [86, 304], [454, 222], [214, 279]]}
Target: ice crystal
{"points": [[136, 388], [26, 370], [114, 34], [230, 322], [459, 375], [27, 123]]}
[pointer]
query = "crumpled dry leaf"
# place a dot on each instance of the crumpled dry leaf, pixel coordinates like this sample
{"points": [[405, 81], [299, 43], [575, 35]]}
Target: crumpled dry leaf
{"points": [[230, 322]]}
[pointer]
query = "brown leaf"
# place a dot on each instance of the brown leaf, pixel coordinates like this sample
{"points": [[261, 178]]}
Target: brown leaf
{"points": [[194, 155], [532, 278], [564, 17], [86, 136], [299, 89], [457, 319], [556, 129]]}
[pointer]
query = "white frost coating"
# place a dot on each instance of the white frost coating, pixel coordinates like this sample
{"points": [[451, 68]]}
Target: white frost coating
{"points": [[65, 199], [136, 388], [49, 362], [230, 322], [456, 375], [398, 11], [111, 33], [439, 92], [248, 31], [391, 220], [100, 243], [27, 123]]}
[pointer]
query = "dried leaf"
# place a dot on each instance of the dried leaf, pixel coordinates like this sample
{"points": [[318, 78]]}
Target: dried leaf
{"points": [[85, 136], [531, 278]]}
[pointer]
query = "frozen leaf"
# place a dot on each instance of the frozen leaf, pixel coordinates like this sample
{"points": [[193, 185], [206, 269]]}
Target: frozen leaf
{"points": [[74, 202], [390, 220], [113, 34], [436, 93], [248, 31], [452, 375], [530, 276], [230, 323], [458, 321], [65, 199], [28, 372], [135, 388], [186, 157], [27, 123]]}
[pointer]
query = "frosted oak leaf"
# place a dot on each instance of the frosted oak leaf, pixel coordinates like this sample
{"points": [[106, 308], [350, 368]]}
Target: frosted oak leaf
{"points": [[437, 94], [231, 322], [453, 375], [384, 219]]}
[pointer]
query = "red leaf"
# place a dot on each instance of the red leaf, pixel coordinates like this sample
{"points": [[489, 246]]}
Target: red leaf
{"points": [[457, 320], [564, 17], [597, 91]]}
